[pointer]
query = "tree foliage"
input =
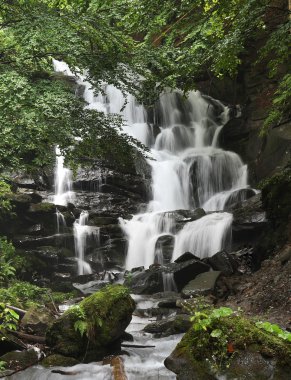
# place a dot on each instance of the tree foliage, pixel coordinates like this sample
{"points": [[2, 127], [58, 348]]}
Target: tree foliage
{"points": [[39, 109], [169, 43]]}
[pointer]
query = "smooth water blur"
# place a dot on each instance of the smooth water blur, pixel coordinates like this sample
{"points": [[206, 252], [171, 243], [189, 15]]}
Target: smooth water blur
{"points": [[188, 171]]}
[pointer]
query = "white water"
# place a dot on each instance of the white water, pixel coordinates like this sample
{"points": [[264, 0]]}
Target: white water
{"points": [[189, 171], [141, 363], [63, 182], [82, 233], [61, 222]]}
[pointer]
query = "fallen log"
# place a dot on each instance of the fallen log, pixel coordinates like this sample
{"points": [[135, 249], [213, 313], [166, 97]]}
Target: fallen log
{"points": [[20, 312], [136, 345], [67, 373], [29, 337]]}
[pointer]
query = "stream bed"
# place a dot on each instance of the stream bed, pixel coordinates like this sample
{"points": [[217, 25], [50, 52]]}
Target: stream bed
{"points": [[139, 363]]}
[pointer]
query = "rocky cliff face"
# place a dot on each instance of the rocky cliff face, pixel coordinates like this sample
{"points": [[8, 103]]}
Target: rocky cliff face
{"points": [[250, 95]]}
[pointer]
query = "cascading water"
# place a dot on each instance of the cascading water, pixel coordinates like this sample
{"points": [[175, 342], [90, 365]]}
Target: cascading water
{"points": [[82, 233], [63, 182], [188, 171]]}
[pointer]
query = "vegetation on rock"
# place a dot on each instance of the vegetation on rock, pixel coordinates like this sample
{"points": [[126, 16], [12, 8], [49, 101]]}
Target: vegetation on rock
{"points": [[218, 336], [94, 324]]}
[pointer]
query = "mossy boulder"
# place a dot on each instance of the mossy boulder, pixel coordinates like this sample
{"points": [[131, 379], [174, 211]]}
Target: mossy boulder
{"points": [[104, 316], [57, 360], [37, 319], [235, 347], [17, 360]]}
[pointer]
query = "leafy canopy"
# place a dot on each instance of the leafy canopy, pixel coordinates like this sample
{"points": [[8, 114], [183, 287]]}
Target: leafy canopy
{"points": [[168, 43], [38, 108]]}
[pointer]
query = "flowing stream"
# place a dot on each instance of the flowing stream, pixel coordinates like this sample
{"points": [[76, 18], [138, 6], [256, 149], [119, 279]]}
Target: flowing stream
{"points": [[189, 171]]}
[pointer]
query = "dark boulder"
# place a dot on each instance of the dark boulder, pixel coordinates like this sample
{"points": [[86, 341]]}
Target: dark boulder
{"points": [[249, 222], [186, 257], [222, 261], [151, 280]]}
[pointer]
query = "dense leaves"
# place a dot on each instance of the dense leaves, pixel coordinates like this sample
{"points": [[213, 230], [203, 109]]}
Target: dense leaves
{"points": [[169, 43], [38, 108]]}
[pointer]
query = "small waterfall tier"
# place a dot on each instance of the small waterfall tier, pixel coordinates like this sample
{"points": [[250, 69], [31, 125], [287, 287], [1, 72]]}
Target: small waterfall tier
{"points": [[189, 171]]}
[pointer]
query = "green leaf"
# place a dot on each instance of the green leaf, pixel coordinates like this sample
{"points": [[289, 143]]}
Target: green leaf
{"points": [[216, 333]]}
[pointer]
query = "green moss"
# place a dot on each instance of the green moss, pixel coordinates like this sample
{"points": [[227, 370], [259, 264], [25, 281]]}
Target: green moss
{"points": [[43, 207], [58, 360], [24, 294], [103, 316], [198, 346]]}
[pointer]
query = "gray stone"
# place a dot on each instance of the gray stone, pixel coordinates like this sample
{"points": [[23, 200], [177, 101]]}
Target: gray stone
{"points": [[203, 284], [170, 326]]}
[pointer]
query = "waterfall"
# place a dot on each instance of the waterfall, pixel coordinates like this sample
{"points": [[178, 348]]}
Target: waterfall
{"points": [[61, 222], [169, 282], [189, 171], [82, 235], [63, 182]]}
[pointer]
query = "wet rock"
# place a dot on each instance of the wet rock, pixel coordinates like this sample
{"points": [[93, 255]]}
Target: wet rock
{"points": [[243, 259], [164, 249], [181, 217], [239, 196], [169, 302], [155, 312], [151, 281], [91, 287], [107, 314], [60, 240], [249, 222], [223, 262], [186, 271], [111, 254], [276, 197], [57, 360], [203, 284], [44, 261], [104, 180], [42, 210], [186, 257], [21, 202], [169, 326]]}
